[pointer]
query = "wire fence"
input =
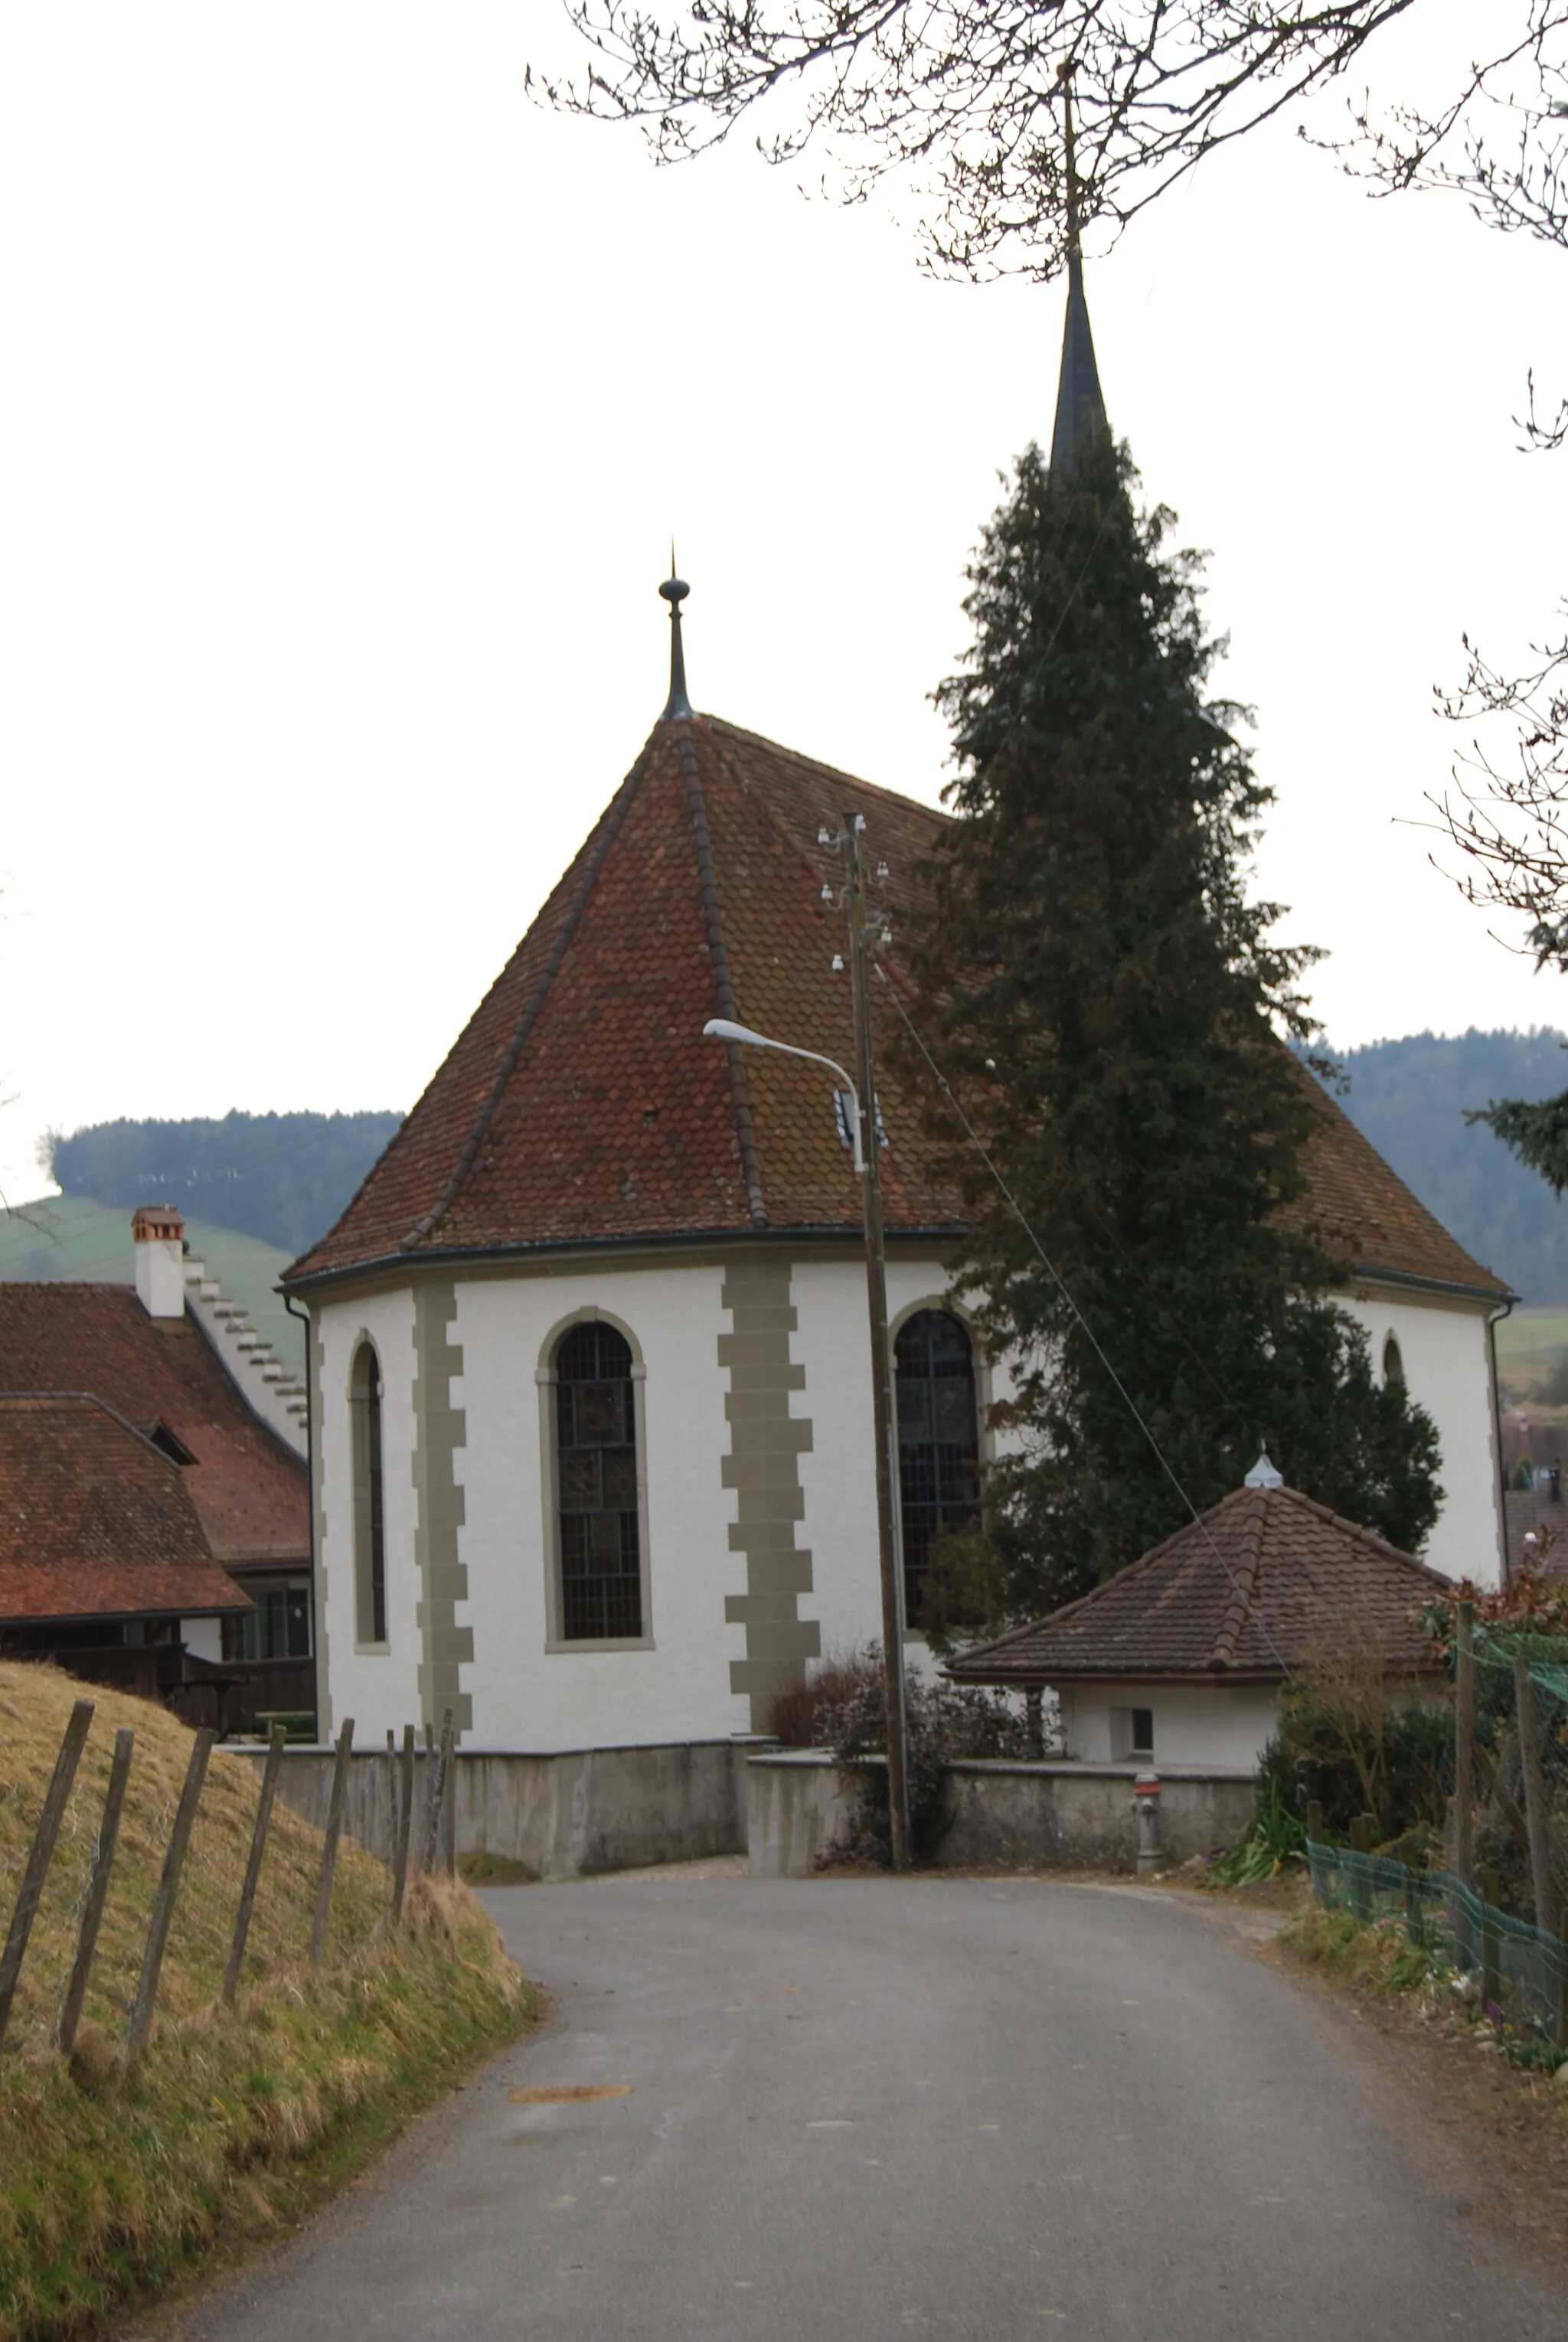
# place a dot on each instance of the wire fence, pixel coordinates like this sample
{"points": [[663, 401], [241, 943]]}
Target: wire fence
{"points": [[1519, 1972], [1491, 1901]]}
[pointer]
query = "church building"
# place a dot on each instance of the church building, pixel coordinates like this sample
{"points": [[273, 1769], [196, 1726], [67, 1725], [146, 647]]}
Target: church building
{"points": [[591, 1399]]}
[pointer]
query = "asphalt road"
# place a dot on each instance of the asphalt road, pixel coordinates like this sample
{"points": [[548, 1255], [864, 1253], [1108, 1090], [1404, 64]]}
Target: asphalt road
{"points": [[865, 2109]]}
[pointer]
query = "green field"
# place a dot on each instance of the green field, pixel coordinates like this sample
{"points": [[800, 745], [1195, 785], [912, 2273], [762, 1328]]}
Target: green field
{"points": [[1531, 1345], [73, 1238]]}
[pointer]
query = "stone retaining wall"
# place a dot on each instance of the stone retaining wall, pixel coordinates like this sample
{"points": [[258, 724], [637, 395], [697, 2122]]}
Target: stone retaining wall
{"points": [[1006, 1817], [565, 1814]]}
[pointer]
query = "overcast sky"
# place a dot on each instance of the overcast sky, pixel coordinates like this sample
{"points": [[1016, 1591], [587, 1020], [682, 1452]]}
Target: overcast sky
{"points": [[349, 404]]}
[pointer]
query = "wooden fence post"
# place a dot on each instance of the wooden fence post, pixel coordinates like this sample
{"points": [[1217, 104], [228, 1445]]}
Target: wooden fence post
{"points": [[98, 1889], [1528, 1717], [1464, 1744], [273, 1766], [404, 1825], [329, 1843], [41, 1856], [1314, 1822], [449, 1813], [1491, 1943], [437, 1790], [163, 1900]]}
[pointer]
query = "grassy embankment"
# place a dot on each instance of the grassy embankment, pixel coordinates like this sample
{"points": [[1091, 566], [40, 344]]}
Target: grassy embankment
{"points": [[237, 2120]]}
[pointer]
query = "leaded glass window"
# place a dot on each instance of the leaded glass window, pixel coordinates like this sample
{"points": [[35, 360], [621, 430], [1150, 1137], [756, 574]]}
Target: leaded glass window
{"points": [[938, 1440], [597, 1465]]}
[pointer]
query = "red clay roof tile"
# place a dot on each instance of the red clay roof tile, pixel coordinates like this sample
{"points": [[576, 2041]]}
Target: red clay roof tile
{"points": [[581, 1103], [1265, 1581], [251, 1492], [95, 1522]]}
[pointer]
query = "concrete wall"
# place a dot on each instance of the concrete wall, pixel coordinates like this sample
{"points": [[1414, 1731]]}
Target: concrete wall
{"points": [[1000, 1816], [565, 1813], [1445, 1345], [1195, 1724]]}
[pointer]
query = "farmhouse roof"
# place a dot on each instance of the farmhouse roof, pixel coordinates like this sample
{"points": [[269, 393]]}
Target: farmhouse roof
{"points": [[250, 1491], [1254, 1590], [95, 1521], [581, 1104]]}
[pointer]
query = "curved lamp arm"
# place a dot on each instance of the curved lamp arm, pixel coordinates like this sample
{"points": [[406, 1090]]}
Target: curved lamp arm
{"points": [[720, 1029]]}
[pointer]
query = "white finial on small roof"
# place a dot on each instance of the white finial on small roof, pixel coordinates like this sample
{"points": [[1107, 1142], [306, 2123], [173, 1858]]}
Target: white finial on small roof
{"points": [[1263, 1474]]}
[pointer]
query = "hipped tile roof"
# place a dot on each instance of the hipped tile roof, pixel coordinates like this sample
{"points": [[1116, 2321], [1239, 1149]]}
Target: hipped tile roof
{"points": [[95, 1522], [582, 1104], [1264, 1583], [251, 1492]]}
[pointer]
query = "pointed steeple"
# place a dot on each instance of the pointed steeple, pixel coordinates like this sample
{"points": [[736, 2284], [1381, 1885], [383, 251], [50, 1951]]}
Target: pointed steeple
{"points": [[1080, 407], [677, 708]]}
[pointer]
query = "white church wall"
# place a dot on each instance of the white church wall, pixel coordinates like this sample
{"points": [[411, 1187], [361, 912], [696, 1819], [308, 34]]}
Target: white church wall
{"points": [[1446, 1354], [378, 1686], [677, 1686], [1193, 1724]]}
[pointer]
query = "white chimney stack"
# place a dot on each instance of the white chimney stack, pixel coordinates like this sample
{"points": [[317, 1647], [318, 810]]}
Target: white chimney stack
{"points": [[159, 1233]]}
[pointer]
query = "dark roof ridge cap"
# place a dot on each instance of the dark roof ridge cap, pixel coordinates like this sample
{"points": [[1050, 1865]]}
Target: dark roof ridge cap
{"points": [[91, 1398], [1244, 1581], [615, 815], [723, 989], [721, 725]]}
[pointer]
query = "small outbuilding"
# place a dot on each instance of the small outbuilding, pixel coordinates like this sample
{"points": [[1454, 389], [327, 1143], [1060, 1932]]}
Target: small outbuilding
{"points": [[1181, 1658]]}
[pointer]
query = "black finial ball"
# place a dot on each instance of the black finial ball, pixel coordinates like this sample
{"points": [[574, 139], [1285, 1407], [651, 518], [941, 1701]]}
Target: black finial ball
{"points": [[674, 590]]}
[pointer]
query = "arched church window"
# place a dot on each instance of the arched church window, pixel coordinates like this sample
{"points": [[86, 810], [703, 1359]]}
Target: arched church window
{"points": [[369, 1516], [938, 1440], [596, 1486], [1392, 1362]]}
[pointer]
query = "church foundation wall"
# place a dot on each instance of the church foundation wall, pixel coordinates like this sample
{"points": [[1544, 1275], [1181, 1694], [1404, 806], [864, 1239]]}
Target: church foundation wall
{"points": [[566, 1814]]}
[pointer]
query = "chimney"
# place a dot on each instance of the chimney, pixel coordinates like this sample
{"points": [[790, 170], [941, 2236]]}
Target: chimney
{"points": [[159, 1233]]}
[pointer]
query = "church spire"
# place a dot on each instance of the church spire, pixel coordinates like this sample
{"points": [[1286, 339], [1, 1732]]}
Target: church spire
{"points": [[674, 590], [1080, 407]]}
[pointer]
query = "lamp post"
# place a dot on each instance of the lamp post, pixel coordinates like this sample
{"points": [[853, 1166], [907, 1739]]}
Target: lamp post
{"points": [[864, 1137]]}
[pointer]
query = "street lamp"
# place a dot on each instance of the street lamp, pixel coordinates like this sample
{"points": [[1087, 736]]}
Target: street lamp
{"points": [[863, 1135]]}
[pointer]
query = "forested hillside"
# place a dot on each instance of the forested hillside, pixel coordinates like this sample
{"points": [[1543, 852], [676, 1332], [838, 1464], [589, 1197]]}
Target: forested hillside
{"points": [[282, 1177], [1409, 1096]]}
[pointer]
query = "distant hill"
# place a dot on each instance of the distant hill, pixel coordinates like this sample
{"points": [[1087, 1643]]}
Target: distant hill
{"points": [[81, 1242], [283, 1178], [1409, 1096]]}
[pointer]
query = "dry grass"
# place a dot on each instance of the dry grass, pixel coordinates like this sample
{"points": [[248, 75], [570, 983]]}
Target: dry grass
{"points": [[110, 2190]]}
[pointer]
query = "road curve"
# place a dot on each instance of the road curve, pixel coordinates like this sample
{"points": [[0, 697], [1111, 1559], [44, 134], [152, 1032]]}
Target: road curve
{"points": [[867, 2107]]}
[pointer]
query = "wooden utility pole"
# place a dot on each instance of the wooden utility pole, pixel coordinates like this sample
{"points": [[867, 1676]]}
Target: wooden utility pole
{"points": [[884, 1419]]}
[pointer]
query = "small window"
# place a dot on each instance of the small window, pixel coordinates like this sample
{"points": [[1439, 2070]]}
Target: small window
{"points": [[1132, 1732], [1392, 1363], [369, 1516], [277, 1627], [597, 1486], [938, 1440]]}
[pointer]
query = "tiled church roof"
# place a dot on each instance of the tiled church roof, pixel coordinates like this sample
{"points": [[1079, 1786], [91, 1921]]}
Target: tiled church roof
{"points": [[581, 1103], [1262, 1583]]}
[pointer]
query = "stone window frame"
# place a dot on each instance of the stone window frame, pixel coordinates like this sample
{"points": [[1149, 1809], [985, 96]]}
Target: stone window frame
{"points": [[1394, 1360], [366, 1644], [556, 1644], [985, 1444]]}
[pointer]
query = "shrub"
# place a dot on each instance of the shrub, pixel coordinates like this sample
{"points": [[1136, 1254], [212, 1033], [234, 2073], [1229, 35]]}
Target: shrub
{"points": [[843, 1707]]}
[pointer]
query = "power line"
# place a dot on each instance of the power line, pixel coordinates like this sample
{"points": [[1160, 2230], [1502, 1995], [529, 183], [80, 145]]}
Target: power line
{"points": [[1123, 1394]]}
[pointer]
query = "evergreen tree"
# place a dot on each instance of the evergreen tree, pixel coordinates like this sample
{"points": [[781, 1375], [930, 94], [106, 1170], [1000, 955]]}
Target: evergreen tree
{"points": [[1110, 1006]]}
